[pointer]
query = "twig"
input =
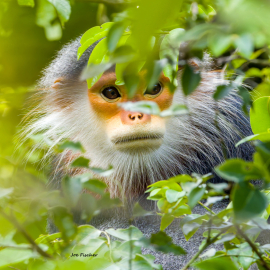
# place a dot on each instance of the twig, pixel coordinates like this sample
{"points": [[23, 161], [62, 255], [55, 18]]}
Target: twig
{"points": [[207, 208], [109, 243], [25, 234], [253, 246], [206, 244]]}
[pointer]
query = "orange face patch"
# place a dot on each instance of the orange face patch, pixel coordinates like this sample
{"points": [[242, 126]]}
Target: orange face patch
{"points": [[108, 108]]}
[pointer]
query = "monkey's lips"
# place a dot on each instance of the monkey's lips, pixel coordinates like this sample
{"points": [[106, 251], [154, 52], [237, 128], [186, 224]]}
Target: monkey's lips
{"points": [[139, 140]]}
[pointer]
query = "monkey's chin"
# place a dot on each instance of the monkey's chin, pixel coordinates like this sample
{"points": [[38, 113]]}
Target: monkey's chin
{"points": [[138, 144]]}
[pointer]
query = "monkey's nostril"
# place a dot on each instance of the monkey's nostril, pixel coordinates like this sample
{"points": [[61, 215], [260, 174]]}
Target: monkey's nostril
{"points": [[140, 116]]}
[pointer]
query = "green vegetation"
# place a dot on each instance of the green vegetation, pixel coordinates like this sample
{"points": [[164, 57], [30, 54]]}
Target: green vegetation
{"points": [[136, 35]]}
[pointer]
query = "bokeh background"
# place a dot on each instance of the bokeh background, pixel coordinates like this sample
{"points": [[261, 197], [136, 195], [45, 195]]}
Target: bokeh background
{"points": [[24, 52]]}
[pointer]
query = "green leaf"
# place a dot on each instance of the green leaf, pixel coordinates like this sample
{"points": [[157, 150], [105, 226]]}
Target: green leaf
{"points": [[226, 237], [173, 195], [132, 233], [154, 69], [42, 265], [220, 263], [81, 162], [248, 202], [245, 45], [264, 137], [162, 242], [195, 195], [5, 192], [64, 222], [63, 9], [245, 95], [85, 233], [190, 80], [260, 115], [131, 77], [138, 211], [147, 107], [123, 54], [145, 261], [171, 183], [191, 223], [166, 220], [98, 56], [95, 186], [30, 3], [92, 35], [102, 172], [181, 179], [209, 253], [219, 43], [222, 91], [170, 44], [72, 188], [114, 35], [94, 70], [74, 146], [175, 110], [9, 257], [238, 170], [92, 32], [46, 16]]}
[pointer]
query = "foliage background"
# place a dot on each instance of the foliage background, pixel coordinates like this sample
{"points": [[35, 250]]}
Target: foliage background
{"points": [[27, 48]]}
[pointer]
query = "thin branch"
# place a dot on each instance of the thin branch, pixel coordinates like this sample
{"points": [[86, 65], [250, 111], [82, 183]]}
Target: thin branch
{"points": [[207, 208], [253, 246], [25, 234], [206, 245]]}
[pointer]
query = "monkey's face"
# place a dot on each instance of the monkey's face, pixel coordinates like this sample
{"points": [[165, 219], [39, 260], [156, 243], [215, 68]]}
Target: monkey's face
{"points": [[129, 131]]}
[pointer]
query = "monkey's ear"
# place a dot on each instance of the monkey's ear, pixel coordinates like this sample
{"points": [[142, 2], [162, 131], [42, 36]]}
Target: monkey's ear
{"points": [[57, 83]]}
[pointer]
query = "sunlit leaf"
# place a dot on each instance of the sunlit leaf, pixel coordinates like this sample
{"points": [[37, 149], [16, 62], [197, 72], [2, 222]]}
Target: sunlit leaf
{"points": [[173, 195], [260, 115], [7, 257], [264, 137], [166, 220], [92, 35], [5, 192], [132, 233], [114, 35], [175, 110], [63, 9], [221, 263], [98, 56], [30, 3], [147, 107]]}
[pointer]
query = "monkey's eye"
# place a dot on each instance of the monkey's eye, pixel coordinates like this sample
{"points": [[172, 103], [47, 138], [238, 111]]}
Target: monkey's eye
{"points": [[155, 91], [111, 93]]}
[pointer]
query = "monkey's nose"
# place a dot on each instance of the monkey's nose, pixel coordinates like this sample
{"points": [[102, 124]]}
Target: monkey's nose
{"points": [[132, 118]]}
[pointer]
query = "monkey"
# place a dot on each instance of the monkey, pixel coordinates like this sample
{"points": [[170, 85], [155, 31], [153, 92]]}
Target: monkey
{"points": [[141, 148]]}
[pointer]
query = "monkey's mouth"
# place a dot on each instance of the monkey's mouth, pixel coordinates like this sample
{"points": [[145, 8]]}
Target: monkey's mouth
{"points": [[135, 138]]}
